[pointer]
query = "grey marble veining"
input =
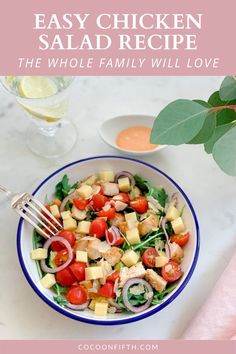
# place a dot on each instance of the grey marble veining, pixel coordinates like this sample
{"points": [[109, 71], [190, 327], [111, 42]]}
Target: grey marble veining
{"points": [[22, 314]]}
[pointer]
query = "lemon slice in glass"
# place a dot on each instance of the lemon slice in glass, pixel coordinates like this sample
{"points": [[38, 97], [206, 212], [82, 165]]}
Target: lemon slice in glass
{"points": [[37, 87]]}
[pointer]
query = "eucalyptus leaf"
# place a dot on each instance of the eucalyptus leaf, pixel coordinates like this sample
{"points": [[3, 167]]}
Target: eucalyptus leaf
{"points": [[228, 88], [226, 115], [178, 122], [218, 133], [207, 130], [224, 152]]}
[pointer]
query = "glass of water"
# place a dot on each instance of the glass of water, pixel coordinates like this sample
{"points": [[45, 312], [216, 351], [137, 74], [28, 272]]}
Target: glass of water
{"points": [[45, 100]]}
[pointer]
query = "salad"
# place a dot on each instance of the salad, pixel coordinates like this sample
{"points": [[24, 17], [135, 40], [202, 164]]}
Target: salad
{"points": [[120, 248]]}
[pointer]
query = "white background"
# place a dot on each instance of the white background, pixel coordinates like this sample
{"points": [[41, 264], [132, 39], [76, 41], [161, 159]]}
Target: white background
{"points": [[22, 314]]}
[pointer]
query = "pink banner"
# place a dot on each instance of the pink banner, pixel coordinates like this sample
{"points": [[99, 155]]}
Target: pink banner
{"points": [[116, 347], [99, 37]]}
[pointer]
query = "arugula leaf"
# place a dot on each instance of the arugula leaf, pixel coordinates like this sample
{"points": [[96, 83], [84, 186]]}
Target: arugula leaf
{"points": [[60, 300], [158, 297], [68, 206], [60, 289], [37, 239], [63, 188], [158, 194]]}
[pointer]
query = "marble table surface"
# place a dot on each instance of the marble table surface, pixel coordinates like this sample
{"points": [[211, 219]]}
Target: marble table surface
{"points": [[22, 314]]}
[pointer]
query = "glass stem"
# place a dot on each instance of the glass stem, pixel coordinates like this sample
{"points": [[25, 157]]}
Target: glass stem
{"points": [[49, 131]]}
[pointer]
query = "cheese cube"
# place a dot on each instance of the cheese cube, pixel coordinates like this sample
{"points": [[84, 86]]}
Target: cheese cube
{"points": [[172, 213], [48, 281], [133, 236], [160, 261], [100, 299], [130, 258], [107, 176], [178, 225], [101, 308], [177, 252], [65, 214], [124, 184], [131, 219], [85, 191], [93, 273], [55, 211], [81, 256], [39, 253], [69, 224], [83, 227]]}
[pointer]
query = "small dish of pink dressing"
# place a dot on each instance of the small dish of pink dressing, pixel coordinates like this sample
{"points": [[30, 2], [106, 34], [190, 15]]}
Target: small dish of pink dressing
{"points": [[130, 134]]}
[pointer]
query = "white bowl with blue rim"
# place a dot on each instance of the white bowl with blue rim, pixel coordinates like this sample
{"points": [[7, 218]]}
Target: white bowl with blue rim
{"points": [[78, 170]]}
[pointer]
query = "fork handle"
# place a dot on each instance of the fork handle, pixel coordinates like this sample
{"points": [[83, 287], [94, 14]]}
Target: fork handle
{"points": [[6, 191]]}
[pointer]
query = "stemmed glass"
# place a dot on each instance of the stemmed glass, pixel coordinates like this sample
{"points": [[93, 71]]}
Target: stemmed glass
{"points": [[45, 99]]}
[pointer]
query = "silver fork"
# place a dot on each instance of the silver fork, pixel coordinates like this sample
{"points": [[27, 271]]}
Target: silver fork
{"points": [[30, 209]]}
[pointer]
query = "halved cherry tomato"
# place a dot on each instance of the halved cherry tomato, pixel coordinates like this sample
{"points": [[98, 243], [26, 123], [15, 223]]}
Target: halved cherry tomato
{"points": [[98, 201], [107, 290], [149, 256], [76, 295], [122, 197], [181, 240], [78, 270], [110, 213], [98, 227], [171, 271], [61, 257], [67, 235], [65, 277], [119, 242], [80, 203], [113, 277], [139, 204]]}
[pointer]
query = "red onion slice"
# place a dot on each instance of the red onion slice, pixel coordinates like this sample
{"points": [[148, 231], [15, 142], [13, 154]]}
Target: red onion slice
{"points": [[114, 231], [125, 174], [77, 307], [167, 246], [47, 244], [66, 199], [128, 284]]}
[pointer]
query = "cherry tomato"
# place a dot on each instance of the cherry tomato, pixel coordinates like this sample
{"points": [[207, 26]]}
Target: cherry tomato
{"points": [[122, 197], [119, 242], [98, 201], [61, 257], [78, 270], [107, 290], [149, 256], [76, 295], [110, 213], [65, 277], [113, 277], [80, 203], [139, 204], [171, 271], [98, 227], [181, 240], [67, 235]]}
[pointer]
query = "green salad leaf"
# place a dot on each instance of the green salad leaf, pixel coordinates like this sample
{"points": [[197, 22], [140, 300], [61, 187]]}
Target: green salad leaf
{"points": [[63, 188], [60, 289], [148, 190], [60, 300], [158, 297]]}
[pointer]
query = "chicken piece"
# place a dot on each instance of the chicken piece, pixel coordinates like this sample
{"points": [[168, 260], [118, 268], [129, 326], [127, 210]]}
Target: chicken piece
{"points": [[106, 269], [119, 218], [177, 252], [136, 271], [78, 214], [94, 248], [123, 226], [156, 281], [110, 189], [113, 255], [81, 245], [147, 225]]}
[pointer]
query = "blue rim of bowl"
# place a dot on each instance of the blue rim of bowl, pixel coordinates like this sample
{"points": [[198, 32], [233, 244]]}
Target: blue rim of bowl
{"points": [[121, 321]]}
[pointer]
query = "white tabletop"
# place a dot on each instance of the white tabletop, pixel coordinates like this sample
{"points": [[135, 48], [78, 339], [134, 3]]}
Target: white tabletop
{"points": [[22, 314]]}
